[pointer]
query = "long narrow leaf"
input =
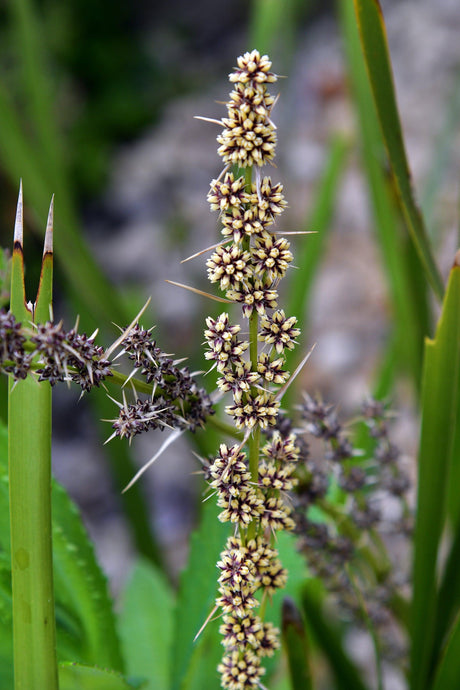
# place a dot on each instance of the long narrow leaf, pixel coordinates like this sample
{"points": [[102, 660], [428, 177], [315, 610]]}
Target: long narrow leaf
{"points": [[375, 48], [146, 626], [196, 599], [448, 603], [409, 303], [296, 645], [438, 468], [448, 673]]}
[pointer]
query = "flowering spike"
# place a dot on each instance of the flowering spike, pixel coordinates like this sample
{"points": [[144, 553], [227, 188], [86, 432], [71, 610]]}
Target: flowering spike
{"points": [[248, 266]]}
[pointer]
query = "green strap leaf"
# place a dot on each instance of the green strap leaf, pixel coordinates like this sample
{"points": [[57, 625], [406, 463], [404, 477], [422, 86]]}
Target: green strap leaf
{"points": [[439, 471], [145, 625], [448, 674], [296, 645], [78, 677], [409, 302], [375, 48], [81, 588], [195, 601]]}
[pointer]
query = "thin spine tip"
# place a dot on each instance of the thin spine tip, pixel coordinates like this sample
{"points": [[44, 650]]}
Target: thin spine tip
{"points": [[48, 244], [19, 222]]}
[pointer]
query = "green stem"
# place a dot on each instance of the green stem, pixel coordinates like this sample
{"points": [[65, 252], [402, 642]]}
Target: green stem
{"points": [[29, 453], [29, 461]]}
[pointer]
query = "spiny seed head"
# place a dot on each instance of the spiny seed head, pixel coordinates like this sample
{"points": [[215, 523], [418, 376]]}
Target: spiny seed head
{"points": [[242, 508], [272, 370], [219, 331], [276, 478], [268, 640], [254, 295], [261, 409], [229, 266], [240, 671], [269, 198], [282, 449], [239, 380], [227, 193], [279, 331], [271, 256], [251, 99], [274, 577], [229, 473], [245, 147], [242, 633], [276, 515], [237, 569], [253, 67], [249, 137]]}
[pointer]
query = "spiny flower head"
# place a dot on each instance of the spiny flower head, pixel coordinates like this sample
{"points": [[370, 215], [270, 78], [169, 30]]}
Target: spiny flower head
{"points": [[227, 193], [255, 295], [279, 331], [253, 67], [249, 137], [271, 256], [229, 266], [251, 411], [240, 670]]}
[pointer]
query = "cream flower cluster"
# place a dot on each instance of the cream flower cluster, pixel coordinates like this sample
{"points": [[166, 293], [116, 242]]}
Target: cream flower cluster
{"points": [[250, 482]]}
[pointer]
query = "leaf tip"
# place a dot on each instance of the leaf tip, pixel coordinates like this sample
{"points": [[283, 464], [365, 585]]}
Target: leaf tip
{"points": [[48, 244], [19, 222]]}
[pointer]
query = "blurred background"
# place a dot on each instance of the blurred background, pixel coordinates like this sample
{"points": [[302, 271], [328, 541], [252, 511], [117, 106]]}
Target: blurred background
{"points": [[97, 106]]}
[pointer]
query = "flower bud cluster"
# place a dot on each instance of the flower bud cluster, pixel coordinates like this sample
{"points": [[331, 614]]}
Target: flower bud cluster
{"points": [[247, 266], [176, 401], [358, 522], [53, 354]]}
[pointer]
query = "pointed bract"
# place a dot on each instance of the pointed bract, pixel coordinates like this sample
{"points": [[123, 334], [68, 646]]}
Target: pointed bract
{"points": [[19, 222], [48, 244]]}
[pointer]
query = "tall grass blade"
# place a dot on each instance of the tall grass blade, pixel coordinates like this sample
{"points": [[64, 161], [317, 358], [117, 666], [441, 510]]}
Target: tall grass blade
{"points": [[409, 302], [146, 626], [195, 599], [438, 469], [375, 48], [295, 643], [448, 672]]}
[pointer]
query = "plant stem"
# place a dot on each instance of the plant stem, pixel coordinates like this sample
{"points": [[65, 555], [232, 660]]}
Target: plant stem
{"points": [[29, 461], [29, 442]]}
